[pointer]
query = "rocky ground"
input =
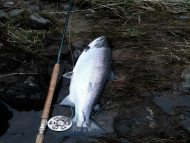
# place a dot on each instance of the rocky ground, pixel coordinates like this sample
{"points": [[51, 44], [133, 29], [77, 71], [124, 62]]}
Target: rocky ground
{"points": [[150, 52]]}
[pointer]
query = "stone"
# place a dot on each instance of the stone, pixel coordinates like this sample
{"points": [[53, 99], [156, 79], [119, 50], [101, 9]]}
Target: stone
{"points": [[152, 125], [92, 11], [66, 8], [34, 9], [8, 4], [185, 85], [15, 12], [183, 17], [87, 16], [3, 14], [36, 21], [1, 45], [182, 117]]}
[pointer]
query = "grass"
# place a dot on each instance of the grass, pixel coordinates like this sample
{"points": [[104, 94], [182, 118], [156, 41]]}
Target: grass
{"points": [[24, 37]]}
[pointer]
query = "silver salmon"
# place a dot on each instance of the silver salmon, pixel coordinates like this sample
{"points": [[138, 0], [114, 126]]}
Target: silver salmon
{"points": [[88, 78]]}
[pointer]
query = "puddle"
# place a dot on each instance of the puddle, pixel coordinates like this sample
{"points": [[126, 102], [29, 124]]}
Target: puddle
{"points": [[21, 123], [169, 105], [166, 103], [23, 126]]}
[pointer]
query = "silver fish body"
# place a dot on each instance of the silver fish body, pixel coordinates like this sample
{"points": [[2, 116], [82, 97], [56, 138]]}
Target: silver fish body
{"points": [[88, 78]]}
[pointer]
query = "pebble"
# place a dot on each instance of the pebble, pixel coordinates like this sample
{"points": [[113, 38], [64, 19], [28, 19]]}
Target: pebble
{"points": [[16, 12], [152, 124], [87, 16], [8, 4], [38, 22], [34, 9], [1, 45], [182, 117], [66, 8], [183, 17], [3, 14]]}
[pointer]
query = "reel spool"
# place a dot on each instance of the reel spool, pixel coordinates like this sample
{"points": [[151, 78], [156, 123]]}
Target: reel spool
{"points": [[59, 123]]}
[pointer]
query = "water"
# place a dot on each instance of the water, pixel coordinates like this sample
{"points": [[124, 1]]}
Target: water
{"points": [[169, 105], [166, 103], [20, 124]]}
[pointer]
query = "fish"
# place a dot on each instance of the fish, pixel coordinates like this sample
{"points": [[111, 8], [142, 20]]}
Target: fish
{"points": [[88, 78]]}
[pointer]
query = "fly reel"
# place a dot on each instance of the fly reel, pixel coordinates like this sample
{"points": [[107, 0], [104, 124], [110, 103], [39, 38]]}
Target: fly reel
{"points": [[59, 123]]}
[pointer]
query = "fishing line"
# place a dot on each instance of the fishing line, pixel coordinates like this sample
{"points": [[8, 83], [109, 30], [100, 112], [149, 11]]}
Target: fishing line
{"points": [[59, 55], [70, 45], [70, 33]]}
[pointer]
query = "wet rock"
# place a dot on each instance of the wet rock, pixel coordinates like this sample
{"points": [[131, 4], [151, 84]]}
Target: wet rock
{"points": [[183, 17], [92, 11], [34, 9], [7, 115], [145, 119], [185, 85], [152, 125], [36, 21], [66, 8], [182, 117], [24, 89], [87, 16], [3, 14], [187, 114], [15, 12], [8, 4], [22, 83], [1, 45]]}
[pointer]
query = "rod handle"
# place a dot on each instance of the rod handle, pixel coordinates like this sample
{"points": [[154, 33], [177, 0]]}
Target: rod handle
{"points": [[39, 138], [45, 114]]}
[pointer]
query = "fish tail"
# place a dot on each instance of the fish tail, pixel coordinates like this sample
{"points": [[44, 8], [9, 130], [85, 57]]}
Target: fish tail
{"points": [[79, 129]]}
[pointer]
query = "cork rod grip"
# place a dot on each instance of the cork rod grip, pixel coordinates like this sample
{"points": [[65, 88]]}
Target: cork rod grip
{"points": [[45, 114], [39, 138]]}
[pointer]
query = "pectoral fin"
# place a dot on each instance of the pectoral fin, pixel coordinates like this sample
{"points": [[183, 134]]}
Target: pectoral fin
{"points": [[68, 75], [67, 101]]}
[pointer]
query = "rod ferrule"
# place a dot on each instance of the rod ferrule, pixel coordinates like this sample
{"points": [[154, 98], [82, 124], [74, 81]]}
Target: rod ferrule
{"points": [[42, 126]]}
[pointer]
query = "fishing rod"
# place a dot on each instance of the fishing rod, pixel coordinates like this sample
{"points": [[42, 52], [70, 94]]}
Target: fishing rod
{"points": [[45, 114]]}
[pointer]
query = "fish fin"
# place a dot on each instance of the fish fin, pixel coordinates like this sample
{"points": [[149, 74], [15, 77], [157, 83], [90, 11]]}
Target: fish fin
{"points": [[67, 101], [77, 130], [68, 75], [96, 107], [111, 76]]}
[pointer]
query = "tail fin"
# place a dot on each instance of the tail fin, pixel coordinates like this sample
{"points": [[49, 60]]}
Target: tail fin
{"points": [[76, 130]]}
